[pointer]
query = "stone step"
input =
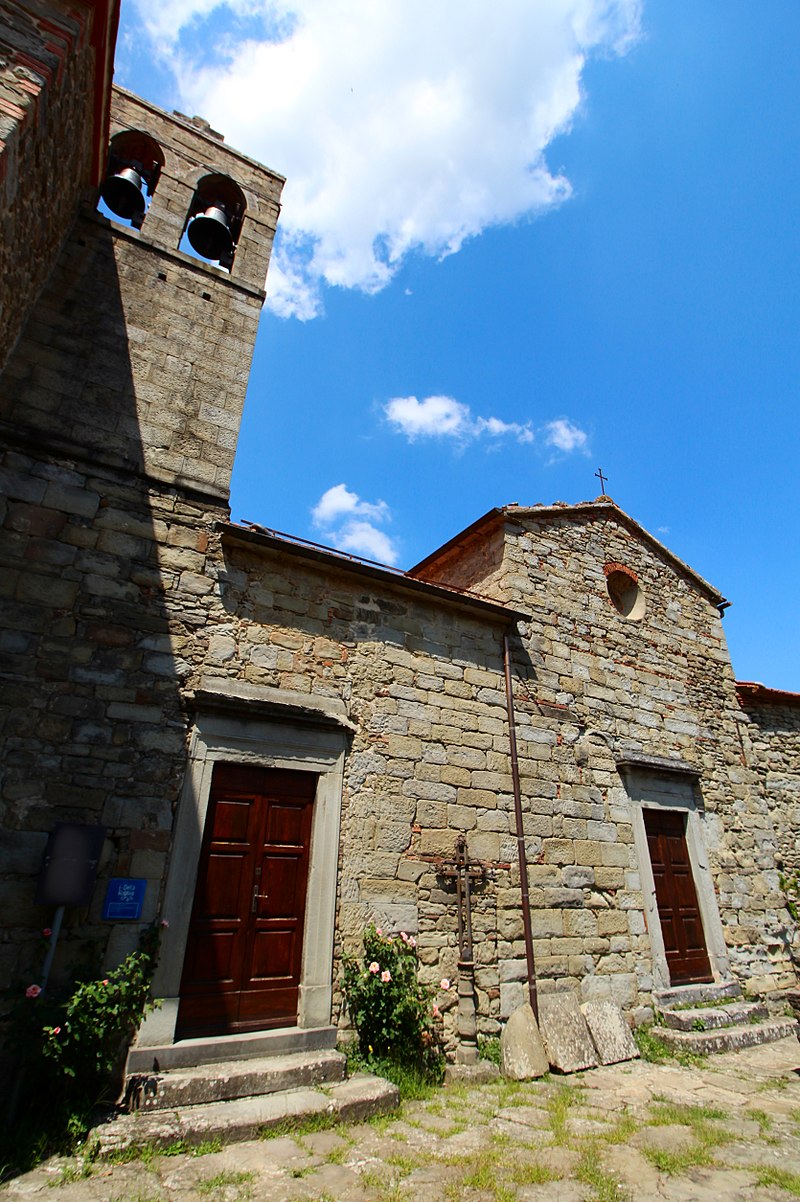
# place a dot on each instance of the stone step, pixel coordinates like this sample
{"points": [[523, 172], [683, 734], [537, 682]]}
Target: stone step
{"points": [[690, 995], [354, 1100], [283, 1041], [235, 1079], [735, 1014], [728, 1039]]}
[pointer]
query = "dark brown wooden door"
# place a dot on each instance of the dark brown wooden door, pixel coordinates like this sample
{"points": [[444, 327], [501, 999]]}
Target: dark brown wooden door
{"points": [[676, 897], [244, 952]]}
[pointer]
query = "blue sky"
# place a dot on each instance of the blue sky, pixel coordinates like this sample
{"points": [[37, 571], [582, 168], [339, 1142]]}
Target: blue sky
{"points": [[511, 255]]}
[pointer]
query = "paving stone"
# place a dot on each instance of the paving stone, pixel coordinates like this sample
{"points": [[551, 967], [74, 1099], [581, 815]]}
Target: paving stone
{"points": [[671, 1138], [471, 1074], [565, 1033], [288, 1169], [633, 1170], [610, 1033], [522, 1051]]}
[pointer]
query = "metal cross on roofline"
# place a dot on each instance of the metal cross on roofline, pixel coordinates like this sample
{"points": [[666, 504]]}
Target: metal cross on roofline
{"points": [[603, 480]]}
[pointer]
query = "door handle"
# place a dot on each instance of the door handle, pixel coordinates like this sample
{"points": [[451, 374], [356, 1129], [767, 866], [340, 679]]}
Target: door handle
{"points": [[256, 898]]}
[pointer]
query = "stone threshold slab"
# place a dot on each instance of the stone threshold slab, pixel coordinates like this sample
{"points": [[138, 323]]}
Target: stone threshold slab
{"points": [[728, 1039], [222, 1082], [712, 1018], [354, 1100], [187, 1053]]}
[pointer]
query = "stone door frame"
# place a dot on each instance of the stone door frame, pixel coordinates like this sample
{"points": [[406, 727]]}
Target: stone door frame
{"points": [[270, 729], [651, 786]]}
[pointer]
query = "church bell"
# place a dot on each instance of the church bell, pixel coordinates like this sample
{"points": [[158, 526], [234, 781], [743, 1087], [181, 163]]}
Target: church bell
{"points": [[123, 194], [209, 232]]}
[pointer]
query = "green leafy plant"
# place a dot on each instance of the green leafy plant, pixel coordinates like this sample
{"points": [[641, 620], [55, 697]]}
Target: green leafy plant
{"points": [[66, 1048], [790, 884], [393, 1013], [98, 1021], [489, 1048]]}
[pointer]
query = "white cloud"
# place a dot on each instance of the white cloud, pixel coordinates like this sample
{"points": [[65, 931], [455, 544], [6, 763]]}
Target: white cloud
{"points": [[564, 436], [435, 417], [445, 417], [496, 428], [338, 501], [362, 538], [400, 126], [353, 525]]}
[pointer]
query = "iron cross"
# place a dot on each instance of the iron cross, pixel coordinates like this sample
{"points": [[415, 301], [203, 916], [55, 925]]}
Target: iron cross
{"points": [[603, 480], [465, 872]]}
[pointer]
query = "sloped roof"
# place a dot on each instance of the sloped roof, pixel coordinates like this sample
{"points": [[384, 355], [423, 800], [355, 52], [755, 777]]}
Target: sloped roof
{"points": [[603, 506], [257, 537], [759, 694]]}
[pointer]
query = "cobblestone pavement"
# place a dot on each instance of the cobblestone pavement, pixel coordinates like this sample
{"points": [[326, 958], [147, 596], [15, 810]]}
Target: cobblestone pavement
{"points": [[725, 1131]]}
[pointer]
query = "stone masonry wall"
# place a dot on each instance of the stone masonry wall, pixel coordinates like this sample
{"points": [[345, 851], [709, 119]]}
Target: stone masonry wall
{"points": [[772, 739], [119, 410], [47, 70], [661, 687], [91, 716], [138, 354], [423, 684]]}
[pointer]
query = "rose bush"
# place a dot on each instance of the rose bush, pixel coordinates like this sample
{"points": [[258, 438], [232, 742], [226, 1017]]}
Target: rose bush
{"points": [[392, 1011]]}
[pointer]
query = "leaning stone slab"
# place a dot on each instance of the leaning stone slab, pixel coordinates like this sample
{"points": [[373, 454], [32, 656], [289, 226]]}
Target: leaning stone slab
{"points": [[522, 1053], [610, 1033], [565, 1033]]}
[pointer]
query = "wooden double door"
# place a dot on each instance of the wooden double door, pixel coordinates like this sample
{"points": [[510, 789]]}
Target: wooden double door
{"points": [[244, 952], [676, 897]]}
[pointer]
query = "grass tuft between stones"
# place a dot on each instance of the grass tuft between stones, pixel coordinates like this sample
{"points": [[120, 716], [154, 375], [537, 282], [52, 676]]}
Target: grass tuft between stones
{"points": [[767, 1175], [225, 1179]]}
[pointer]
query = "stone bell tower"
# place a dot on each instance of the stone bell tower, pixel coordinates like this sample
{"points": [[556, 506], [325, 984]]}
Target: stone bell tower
{"points": [[120, 405], [138, 352]]}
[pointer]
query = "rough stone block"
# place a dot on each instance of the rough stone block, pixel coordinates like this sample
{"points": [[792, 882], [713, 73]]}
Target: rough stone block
{"points": [[565, 1033], [610, 1033], [522, 1052]]}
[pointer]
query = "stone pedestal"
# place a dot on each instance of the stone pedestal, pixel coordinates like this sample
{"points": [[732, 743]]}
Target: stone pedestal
{"points": [[466, 1023]]}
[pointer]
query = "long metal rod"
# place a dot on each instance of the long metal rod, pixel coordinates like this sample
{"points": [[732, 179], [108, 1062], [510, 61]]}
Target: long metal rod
{"points": [[51, 950], [523, 858], [467, 906]]}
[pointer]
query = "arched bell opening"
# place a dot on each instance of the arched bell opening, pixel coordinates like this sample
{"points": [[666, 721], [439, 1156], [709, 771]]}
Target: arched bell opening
{"points": [[214, 221], [135, 162]]}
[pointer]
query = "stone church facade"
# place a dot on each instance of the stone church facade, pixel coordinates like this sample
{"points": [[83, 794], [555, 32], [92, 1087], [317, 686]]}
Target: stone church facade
{"points": [[286, 743]]}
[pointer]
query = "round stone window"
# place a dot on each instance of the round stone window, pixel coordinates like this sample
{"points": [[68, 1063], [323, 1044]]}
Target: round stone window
{"points": [[625, 594]]}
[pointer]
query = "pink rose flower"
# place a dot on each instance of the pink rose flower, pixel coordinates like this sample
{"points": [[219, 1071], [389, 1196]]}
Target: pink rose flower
{"points": [[436, 1011], [33, 991], [106, 981], [412, 941], [378, 931], [386, 976], [47, 932], [445, 984], [56, 1030], [165, 922], [404, 936], [374, 966]]}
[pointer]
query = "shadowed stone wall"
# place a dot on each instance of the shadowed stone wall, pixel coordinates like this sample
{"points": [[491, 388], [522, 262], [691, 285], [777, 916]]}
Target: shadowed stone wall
{"points": [[119, 410]]}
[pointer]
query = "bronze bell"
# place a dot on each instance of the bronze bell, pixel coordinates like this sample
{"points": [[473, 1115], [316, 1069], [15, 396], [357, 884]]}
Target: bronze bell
{"points": [[210, 234], [123, 194]]}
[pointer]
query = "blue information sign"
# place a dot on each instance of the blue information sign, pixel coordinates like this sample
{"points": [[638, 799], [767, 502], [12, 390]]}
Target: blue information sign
{"points": [[124, 898]]}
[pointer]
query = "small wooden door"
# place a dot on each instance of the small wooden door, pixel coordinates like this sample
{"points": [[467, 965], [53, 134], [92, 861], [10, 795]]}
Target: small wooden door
{"points": [[243, 957], [676, 897]]}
